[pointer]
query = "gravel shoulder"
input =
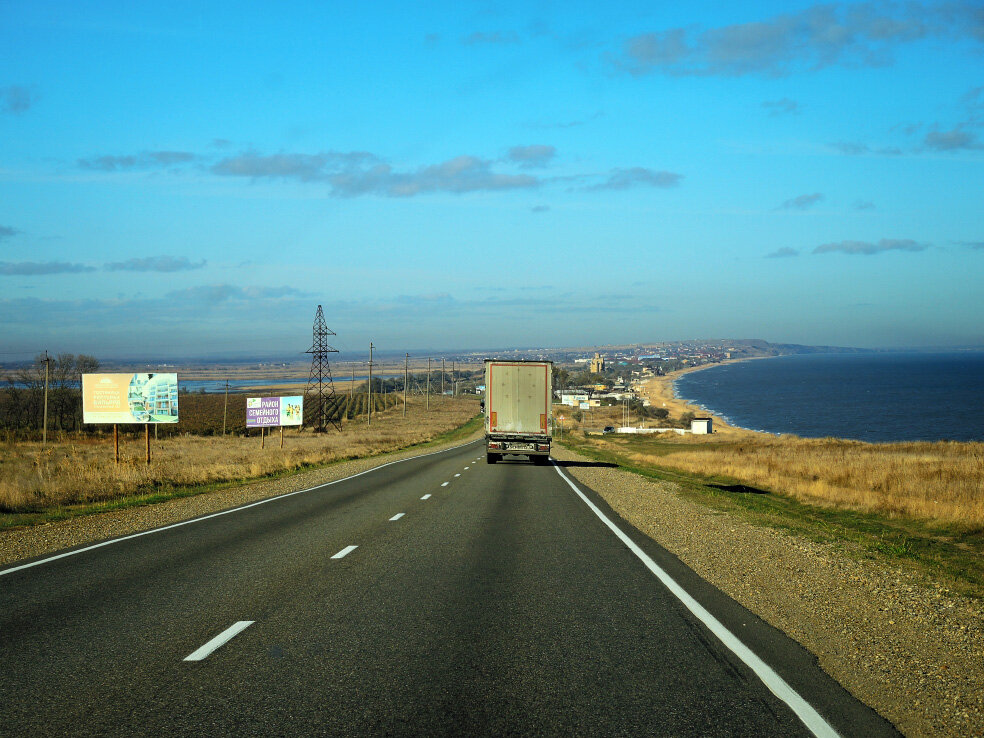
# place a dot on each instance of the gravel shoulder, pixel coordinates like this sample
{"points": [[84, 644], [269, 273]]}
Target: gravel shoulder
{"points": [[24, 543], [906, 646]]}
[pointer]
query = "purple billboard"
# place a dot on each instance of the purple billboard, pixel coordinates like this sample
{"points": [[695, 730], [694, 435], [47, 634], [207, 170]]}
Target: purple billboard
{"points": [[263, 412]]}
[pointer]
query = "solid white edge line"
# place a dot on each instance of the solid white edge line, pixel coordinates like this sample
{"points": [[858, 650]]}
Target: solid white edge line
{"points": [[397, 516], [220, 640], [344, 552], [775, 683], [12, 569]]}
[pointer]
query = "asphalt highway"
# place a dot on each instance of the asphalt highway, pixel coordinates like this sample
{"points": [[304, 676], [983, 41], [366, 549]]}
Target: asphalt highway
{"points": [[433, 596]]}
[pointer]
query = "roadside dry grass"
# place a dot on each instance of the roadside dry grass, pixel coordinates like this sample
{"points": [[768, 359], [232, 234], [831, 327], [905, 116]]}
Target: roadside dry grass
{"points": [[947, 547], [939, 482], [82, 471]]}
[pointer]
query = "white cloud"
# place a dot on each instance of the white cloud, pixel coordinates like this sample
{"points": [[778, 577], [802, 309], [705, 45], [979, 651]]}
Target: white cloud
{"points": [[816, 37], [867, 248], [155, 264], [32, 268], [803, 202], [623, 179]]}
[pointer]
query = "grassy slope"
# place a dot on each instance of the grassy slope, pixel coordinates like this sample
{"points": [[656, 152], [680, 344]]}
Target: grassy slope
{"points": [[949, 554]]}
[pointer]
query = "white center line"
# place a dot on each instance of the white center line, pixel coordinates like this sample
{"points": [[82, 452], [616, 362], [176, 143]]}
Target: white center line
{"points": [[397, 516], [444, 484], [426, 497], [221, 639], [467, 468], [457, 475], [344, 552], [202, 519]]}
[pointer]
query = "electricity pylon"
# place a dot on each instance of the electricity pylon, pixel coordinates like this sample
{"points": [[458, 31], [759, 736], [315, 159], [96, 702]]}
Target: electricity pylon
{"points": [[320, 403]]}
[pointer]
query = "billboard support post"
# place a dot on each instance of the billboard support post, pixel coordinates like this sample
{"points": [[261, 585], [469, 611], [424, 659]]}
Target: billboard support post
{"points": [[281, 436], [116, 442], [147, 438], [262, 437], [44, 423]]}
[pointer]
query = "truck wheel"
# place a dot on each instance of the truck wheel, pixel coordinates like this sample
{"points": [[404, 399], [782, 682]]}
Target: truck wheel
{"points": [[491, 458]]}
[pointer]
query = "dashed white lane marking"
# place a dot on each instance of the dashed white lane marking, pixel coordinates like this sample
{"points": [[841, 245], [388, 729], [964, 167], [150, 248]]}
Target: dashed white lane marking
{"points": [[397, 516], [221, 639], [344, 552], [444, 484], [230, 511], [457, 475], [467, 468], [426, 497], [775, 683]]}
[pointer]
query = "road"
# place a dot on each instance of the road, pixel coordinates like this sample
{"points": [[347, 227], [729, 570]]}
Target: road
{"points": [[438, 595]]}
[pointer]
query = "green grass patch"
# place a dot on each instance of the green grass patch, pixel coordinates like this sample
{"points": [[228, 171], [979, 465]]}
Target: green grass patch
{"points": [[949, 555]]}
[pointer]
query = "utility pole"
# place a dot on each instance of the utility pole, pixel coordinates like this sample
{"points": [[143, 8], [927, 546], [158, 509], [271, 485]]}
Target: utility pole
{"points": [[427, 401], [442, 378], [44, 421], [369, 405], [352, 385], [225, 409], [454, 382], [406, 379]]}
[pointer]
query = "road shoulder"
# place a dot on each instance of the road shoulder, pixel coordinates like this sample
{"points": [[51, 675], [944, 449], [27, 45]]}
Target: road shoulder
{"points": [[908, 648]]}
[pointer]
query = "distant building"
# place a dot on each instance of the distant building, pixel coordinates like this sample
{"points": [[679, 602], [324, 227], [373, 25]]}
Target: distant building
{"points": [[597, 364], [573, 398], [701, 426]]}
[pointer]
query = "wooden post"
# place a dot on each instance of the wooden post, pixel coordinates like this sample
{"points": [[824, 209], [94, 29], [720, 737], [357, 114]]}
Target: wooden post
{"points": [[116, 442], [147, 438], [44, 423], [281, 436], [262, 437]]}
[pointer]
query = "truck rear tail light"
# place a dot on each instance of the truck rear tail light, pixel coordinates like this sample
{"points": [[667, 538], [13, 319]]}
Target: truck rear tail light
{"points": [[494, 445], [542, 447]]}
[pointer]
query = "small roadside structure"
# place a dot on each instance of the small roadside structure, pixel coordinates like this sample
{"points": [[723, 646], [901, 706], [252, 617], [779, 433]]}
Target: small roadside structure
{"points": [[701, 426]]}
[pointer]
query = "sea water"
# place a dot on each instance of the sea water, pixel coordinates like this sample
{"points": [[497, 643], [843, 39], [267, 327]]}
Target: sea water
{"points": [[874, 397]]}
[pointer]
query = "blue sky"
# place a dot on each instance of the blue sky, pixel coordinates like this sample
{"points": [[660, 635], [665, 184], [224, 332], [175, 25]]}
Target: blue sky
{"points": [[195, 178]]}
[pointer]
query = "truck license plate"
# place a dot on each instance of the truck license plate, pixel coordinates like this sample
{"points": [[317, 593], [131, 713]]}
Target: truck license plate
{"points": [[521, 447]]}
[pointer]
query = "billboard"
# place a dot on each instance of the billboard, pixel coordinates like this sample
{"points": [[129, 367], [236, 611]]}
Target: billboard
{"points": [[262, 412], [129, 398]]}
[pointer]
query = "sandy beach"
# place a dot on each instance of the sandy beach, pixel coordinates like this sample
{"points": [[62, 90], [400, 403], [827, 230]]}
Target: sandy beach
{"points": [[659, 392]]}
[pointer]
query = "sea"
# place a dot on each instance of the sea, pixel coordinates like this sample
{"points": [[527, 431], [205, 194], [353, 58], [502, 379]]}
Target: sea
{"points": [[213, 386], [877, 397]]}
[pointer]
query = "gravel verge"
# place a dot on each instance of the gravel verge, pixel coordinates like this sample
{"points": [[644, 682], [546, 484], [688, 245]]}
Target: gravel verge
{"points": [[906, 646], [24, 543]]}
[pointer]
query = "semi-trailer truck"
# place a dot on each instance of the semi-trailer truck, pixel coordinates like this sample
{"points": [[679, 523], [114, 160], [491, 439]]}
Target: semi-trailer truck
{"points": [[518, 397]]}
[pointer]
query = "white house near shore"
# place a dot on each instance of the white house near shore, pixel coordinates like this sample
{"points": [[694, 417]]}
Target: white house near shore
{"points": [[701, 426]]}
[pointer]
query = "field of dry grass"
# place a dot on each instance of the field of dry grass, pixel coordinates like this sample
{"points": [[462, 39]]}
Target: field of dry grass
{"points": [[938, 482], [82, 470]]}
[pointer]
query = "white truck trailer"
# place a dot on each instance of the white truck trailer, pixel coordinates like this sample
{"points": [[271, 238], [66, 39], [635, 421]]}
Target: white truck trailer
{"points": [[518, 397]]}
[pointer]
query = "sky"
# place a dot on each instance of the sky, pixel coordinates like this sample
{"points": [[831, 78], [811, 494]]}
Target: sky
{"points": [[195, 178]]}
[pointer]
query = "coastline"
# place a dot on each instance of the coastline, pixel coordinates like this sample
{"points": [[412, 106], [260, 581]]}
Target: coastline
{"points": [[661, 393]]}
